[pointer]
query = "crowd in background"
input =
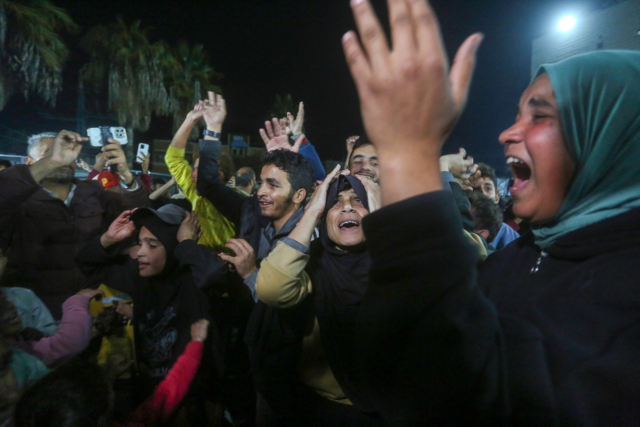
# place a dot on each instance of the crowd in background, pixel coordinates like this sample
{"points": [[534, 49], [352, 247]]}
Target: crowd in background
{"points": [[399, 289]]}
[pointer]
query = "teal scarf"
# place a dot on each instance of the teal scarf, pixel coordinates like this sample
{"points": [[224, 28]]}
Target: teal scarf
{"points": [[598, 97]]}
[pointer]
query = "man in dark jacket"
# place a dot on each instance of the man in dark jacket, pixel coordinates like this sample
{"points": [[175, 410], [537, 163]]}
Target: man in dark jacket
{"points": [[46, 216]]}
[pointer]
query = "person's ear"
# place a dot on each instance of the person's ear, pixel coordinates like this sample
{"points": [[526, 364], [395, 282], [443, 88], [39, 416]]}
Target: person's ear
{"points": [[29, 160], [300, 196], [483, 233]]}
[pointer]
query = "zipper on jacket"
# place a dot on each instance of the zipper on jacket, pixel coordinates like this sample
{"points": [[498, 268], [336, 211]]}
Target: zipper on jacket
{"points": [[536, 267]]}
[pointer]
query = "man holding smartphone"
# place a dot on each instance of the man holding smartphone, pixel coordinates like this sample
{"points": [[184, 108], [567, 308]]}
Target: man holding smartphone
{"points": [[46, 215]]}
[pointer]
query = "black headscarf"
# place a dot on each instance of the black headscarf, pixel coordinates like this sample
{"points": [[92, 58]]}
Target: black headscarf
{"points": [[339, 279]]}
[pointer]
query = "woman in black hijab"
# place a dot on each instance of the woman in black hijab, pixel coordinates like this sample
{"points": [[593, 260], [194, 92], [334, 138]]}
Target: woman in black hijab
{"points": [[302, 351]]}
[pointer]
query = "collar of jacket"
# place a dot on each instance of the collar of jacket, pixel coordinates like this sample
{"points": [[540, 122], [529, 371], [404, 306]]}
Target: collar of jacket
{"points": [[613, 234], [287, 227], [84, 190]]}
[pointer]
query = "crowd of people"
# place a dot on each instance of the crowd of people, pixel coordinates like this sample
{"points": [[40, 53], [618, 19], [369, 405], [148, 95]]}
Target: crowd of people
{"points": [[400, 289]]}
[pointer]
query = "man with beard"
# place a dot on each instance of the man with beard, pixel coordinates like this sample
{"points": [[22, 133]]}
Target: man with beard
{"points": [[46, 215], [363, 160]]}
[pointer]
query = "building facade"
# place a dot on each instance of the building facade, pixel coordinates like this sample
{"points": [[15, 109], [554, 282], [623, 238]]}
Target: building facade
{"points": [[615, 27]]}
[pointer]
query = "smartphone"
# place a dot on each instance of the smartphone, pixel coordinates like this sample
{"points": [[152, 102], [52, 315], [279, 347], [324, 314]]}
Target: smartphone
{"points": [[143, 150], [98, 136]]}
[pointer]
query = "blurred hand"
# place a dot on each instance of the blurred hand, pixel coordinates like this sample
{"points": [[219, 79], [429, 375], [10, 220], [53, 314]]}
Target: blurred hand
{"points": [[296, 123], [101, 161], [115, 156], [215, 111], [124, 308], [83, 165], [458, 164], [190, 228], [91, 293], [66, 147], [199, 330], [351, 141], [120, 229], [245, 259], [144, 163], [410, 100], [275, 137]]}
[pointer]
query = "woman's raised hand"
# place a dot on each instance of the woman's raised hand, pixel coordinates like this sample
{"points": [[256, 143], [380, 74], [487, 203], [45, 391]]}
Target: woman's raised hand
{"points": [[410, 99], [120, 229], [319, 199]]}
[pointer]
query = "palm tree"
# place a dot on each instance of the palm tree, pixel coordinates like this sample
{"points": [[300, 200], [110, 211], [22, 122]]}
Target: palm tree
{"points": [[32, 52], [188, 74], [283, 105], [131, 69]]}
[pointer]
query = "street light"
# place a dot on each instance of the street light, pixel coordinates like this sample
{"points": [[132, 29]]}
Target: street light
{"points": [[567, 23]]}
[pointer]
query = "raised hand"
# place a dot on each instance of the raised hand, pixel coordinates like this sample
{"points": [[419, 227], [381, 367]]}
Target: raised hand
{"points": [[101, 161], [275, 137], [245, 259], [458, 164], [318, 201], [374, 195], [199, 330], [115, 156], [351, 141], [295, 123], [84, 165], [196, 114], [121, 228], [144, 163], [190, 228], [410, 99], [66, 147], [215, 111]]}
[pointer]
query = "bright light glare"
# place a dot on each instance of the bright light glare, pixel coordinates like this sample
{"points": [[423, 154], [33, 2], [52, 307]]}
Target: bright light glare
{"points": [[567, 23]]}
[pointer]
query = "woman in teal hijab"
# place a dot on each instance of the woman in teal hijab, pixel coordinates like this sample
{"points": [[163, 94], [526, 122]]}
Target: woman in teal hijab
{"points": [[598, 97], [546, 331]]}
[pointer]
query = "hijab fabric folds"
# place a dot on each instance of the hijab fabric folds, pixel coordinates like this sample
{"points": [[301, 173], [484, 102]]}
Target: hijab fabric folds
{"points": [[598, 96]]}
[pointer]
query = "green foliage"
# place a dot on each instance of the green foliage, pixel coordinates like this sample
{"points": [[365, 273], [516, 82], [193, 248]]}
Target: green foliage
{"points": [[132, 68], [284, 104], [32, 52]]}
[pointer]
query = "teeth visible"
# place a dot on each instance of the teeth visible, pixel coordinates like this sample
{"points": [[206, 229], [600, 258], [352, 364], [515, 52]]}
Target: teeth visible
{"points": [[348, 223], [511, 160]]}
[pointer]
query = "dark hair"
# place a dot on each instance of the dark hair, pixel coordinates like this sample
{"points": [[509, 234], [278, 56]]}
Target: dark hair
{"points": [[487, 171], [225, 164], [299, 171], [485, 213], [244, 176], [6, 163], [360, 142], [77, 394]]}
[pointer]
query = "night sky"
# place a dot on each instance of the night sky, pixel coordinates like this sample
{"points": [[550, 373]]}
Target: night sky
{"points": [[282, 46]]}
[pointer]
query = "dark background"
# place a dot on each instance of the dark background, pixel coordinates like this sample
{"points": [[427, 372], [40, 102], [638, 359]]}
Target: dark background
{"points": [[266, 47]]}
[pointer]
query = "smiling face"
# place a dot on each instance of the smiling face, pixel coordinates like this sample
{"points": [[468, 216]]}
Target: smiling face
{"points": [[151, 254], [274, 193], [364, 161], [537, 155], [344, 219], [10, 322], [9, 388]]}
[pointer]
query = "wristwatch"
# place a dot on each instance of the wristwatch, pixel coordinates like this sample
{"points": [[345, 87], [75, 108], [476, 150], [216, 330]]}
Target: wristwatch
{"points": [[212, 134]]}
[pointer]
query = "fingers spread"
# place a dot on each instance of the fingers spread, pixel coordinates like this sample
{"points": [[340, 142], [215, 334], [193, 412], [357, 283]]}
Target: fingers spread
{"points": [[267, 124], [462, 69], [264, 136], [371, 32], [402, 27], [427, 29], [356, 59]]}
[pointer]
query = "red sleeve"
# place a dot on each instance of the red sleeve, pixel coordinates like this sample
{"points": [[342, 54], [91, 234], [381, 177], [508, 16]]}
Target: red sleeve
{"points": [[146, 181], [168, 395], [92, 173]]}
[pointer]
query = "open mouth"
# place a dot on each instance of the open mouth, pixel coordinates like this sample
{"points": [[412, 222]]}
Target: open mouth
{"points": [[521, 173], [264, 204], [349, 224], [365, 173]]}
